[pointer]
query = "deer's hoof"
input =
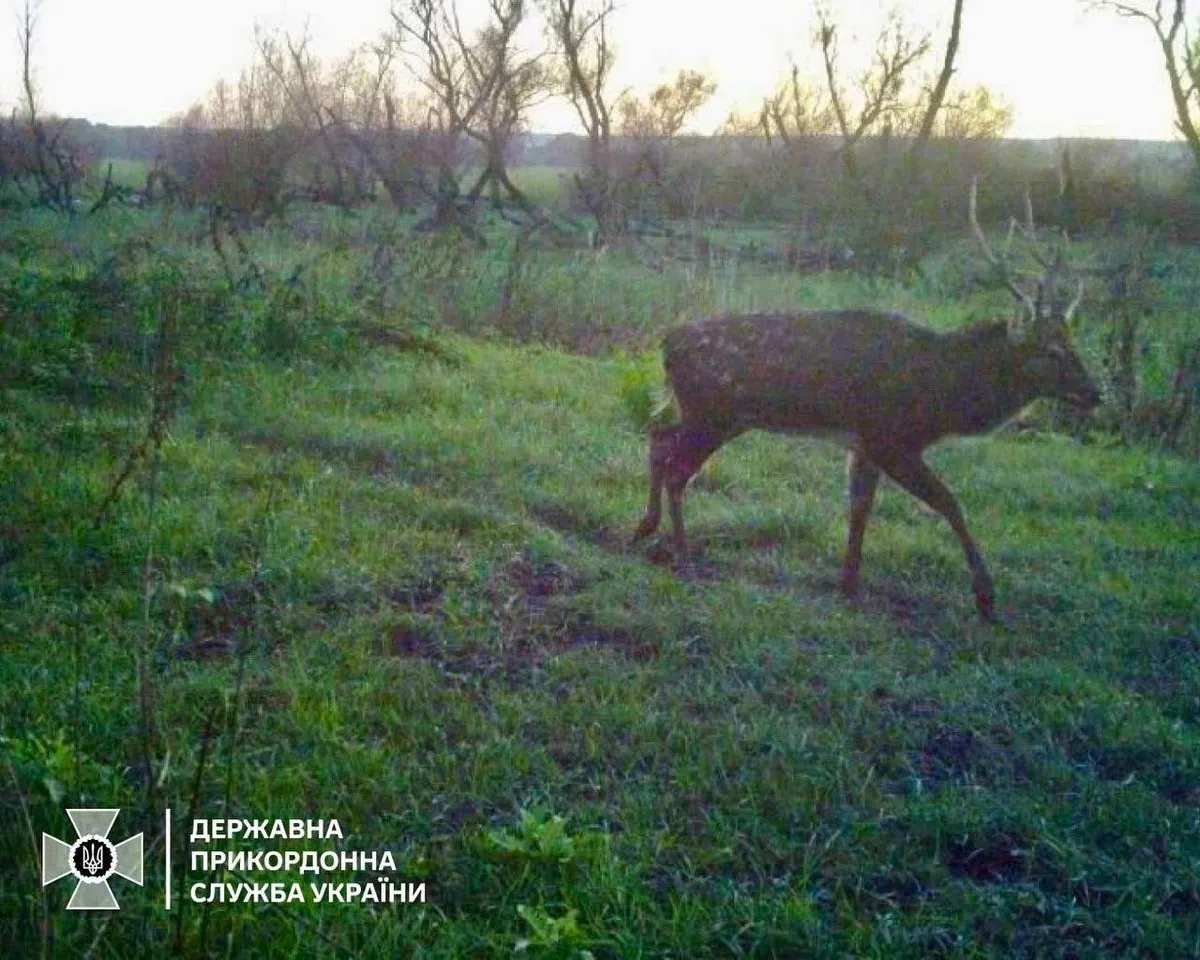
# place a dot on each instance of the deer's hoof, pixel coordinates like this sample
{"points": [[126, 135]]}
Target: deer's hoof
{"points": [[849, 585]]}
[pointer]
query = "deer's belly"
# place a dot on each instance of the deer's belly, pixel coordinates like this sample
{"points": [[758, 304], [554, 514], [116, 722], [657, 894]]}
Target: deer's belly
{"points": [[824, 421], [843, 438]]}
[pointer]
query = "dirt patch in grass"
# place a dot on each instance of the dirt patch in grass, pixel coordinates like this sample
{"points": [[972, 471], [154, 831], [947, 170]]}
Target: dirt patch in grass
{"points": [[268, 699], [998, 858], [412, 641], [699, 569], [529, 595], [534, 621], [1169, 776], [698, 566], [12, 540], [453, 817], [953, 755], [950, 754], [251, 609], [513, 664], [534, 580], [904, 707], [533, 618], [904, 605], [215, 628], [1168, 674], [422, 595], [892, 889], [1009, 856], [571, 522], [374, 459], [408, 640], [587, 634], [1185, 902], [516, 665]]}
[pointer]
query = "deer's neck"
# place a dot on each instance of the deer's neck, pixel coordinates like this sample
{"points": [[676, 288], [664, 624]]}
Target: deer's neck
{"points": [[987, 388]]}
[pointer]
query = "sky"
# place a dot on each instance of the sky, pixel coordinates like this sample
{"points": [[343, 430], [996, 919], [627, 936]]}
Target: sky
{"points": [[1066, 70]]}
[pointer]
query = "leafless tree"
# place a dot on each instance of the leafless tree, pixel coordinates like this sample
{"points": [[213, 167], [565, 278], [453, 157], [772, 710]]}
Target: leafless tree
{"points": [[648, 127], [796, 110], [233, 153], [316, 98], [580, 32], [892, 98], [521, 81], [395, 137], [1180, 53], [900, 105], [38, 150], [972, 114], [880, 89], [670, 105], [479, 86]]}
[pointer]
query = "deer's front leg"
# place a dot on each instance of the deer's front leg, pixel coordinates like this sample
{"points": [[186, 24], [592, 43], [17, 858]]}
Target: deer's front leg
{"points": [[862, 480], [914, 475]]}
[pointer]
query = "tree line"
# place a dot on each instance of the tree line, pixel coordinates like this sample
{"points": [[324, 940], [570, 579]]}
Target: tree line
{"points": [[431, 112]]}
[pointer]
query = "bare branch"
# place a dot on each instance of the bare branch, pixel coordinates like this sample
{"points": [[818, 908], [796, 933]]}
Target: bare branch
{"points": [[937, 98], [1179, 59], [25, 37], [587, 57], [827, 35]]}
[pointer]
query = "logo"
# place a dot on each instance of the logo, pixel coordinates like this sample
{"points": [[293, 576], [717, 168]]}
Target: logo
{"points": [[92, 859]]}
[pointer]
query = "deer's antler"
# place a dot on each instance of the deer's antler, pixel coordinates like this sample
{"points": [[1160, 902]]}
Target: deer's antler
{"points": [[1001, 267]]}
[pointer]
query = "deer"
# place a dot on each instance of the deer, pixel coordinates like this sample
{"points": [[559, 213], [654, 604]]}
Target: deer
{"points": [[886, 387]]}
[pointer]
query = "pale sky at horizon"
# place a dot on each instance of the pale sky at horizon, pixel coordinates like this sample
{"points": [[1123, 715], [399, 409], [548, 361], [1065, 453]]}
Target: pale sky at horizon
{"points": [[1065, 70]]}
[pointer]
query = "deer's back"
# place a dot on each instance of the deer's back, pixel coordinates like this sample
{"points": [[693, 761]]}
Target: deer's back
{"points": [[853, 371]]}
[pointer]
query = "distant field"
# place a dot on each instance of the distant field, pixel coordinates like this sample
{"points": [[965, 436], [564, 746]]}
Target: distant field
{"points": [[544, 185], [126, 173], [394, 587]]}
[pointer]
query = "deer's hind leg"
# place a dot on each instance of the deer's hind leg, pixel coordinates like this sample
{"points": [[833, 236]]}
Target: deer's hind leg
{"points": [[676, 454], [660, 445]]}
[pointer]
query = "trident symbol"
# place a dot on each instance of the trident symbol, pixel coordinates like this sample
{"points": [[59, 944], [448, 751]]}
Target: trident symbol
{"points": [[93, 858]]}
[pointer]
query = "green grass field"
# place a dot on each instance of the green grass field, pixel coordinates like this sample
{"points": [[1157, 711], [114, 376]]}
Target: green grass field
{"points": [[125, 173], [397, 592], [542, 184]]}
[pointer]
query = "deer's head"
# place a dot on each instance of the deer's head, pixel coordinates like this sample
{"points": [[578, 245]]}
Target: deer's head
{"points": [[1048, 365]]}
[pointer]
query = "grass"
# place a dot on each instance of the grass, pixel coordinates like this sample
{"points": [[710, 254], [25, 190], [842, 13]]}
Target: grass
{"points": [[542, 184], [398, 593], [125, 172]]}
